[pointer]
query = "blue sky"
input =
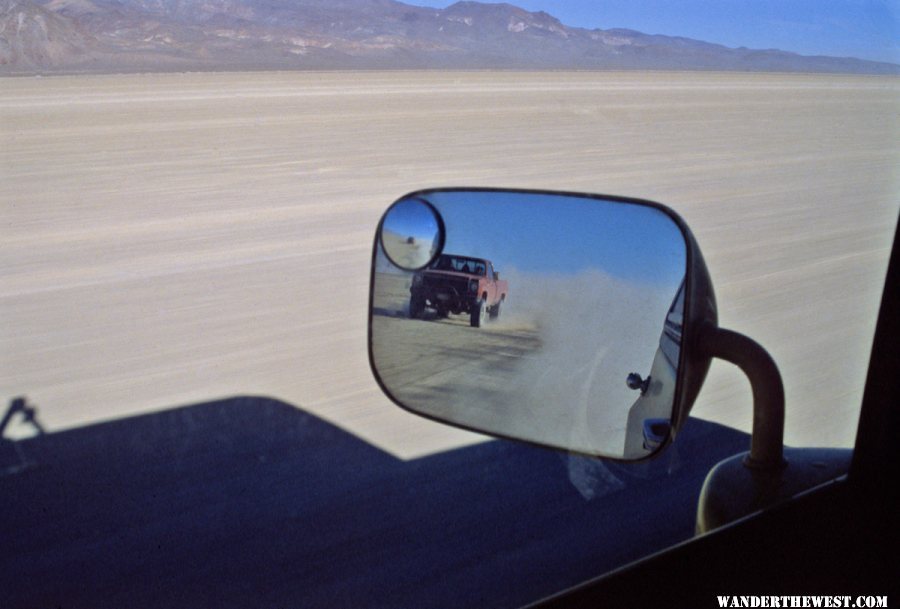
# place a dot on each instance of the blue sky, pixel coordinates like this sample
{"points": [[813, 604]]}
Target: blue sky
{"points": [[563, 235], [868, 29]]}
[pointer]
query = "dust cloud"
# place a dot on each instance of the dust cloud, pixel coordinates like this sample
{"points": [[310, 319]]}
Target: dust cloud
{"points": [[593, 330], [551, 369]]}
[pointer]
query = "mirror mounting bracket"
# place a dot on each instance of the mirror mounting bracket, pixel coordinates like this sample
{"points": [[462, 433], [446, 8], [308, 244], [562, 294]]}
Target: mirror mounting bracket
{"points": [[767, 440], [747, 483]]}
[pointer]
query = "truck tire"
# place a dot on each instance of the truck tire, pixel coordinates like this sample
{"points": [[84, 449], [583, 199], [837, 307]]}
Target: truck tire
{"points": [[478, 314], [416, 306], [494, 311]]}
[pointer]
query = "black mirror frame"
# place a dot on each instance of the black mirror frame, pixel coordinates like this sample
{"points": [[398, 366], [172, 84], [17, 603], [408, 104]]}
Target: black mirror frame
{"points": [[701, 313]]}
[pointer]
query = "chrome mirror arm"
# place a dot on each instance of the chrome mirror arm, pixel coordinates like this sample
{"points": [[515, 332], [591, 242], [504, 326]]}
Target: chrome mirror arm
{"points": [[767, 441]]}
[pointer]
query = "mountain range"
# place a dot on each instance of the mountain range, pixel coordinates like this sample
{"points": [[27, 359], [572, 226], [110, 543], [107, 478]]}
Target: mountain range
{"points": [[70, 36]]}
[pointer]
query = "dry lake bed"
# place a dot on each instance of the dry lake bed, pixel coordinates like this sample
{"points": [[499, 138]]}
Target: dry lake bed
{"points": [[170, 239]]}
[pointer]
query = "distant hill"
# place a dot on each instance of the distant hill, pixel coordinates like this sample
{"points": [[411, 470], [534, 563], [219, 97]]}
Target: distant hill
{"points": [[50, 36], [33, 38]]}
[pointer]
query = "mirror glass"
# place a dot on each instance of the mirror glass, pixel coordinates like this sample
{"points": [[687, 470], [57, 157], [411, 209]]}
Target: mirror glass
{"points": [[547, 317], [411, 233]]}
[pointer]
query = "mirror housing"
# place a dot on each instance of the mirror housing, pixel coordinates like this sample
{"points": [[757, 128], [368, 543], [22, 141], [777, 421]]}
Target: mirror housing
{"points": [[606, 217], [701, 314]]}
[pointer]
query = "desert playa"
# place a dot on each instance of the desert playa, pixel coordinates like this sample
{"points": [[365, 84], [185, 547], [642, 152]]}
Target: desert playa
{"points": [[170, 239]]}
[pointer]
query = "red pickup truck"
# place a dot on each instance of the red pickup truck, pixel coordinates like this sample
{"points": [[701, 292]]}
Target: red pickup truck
{"points": [[458, 284]]}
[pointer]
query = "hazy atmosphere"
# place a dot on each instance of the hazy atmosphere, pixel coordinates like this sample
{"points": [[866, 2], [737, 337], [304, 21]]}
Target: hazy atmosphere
{"points": [[109, 36], [868, 29]]}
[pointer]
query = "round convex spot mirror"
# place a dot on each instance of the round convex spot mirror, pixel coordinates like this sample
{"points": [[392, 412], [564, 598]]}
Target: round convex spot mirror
{"points": [[411, 234]]}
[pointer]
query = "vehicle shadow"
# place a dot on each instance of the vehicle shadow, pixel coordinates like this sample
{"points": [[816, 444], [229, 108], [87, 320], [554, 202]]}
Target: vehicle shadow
{"points": [[387, 312], [251, 502], [403, 313]]}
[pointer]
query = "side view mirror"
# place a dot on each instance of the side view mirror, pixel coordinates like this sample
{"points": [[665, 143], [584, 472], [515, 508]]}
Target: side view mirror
{"points": [[594, 289], [596, 341]]}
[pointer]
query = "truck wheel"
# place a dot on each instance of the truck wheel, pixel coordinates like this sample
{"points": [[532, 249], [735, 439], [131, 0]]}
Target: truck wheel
{"points": [[478, 315], [494, 311], [416, 307]]}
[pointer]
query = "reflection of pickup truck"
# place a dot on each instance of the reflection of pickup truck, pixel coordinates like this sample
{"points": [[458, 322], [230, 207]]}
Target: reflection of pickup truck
{"points": [[458, 284]]}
